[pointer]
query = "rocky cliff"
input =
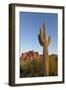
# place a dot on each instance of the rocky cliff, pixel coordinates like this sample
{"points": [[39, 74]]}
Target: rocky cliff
{"points": [[31, 55]]}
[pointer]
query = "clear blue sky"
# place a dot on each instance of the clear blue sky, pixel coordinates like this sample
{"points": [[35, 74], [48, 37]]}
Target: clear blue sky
{"points": [[29, 29]]}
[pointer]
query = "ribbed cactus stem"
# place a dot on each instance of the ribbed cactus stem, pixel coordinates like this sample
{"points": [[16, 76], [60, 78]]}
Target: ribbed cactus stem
{"points": [[44, 41], [44, 30], [41, 35]]}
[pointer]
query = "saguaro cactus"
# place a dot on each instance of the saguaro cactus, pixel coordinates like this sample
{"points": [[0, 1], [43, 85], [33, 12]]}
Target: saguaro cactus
{"points": [[44, 41]]}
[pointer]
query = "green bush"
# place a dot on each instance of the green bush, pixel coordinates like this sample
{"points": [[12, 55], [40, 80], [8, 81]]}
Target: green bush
{"points": [[25, 66], [53, 65], [31, 69], [37, 68]]}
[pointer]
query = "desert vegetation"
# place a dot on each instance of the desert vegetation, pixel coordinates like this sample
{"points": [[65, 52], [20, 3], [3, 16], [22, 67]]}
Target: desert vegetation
{"points": [[32, 64], [34, 67]]}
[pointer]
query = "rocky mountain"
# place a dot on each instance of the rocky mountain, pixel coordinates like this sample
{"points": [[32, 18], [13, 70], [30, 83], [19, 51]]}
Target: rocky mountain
{"points": [[31, 55]]}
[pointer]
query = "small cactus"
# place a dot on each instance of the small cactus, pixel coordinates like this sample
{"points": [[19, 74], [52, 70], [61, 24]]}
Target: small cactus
{"points": [[44, 41]]}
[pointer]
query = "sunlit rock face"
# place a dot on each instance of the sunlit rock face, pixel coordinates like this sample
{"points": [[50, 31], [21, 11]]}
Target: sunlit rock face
{"points": [[31, 55]]}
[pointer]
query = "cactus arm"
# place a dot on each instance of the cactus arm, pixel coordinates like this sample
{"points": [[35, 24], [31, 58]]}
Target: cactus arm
{"points": [[49, 40], [41, 43], [44, 31], [41, 35]]}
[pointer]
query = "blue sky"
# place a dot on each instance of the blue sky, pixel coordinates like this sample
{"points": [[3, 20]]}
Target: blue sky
{"points": [[30, 23]]}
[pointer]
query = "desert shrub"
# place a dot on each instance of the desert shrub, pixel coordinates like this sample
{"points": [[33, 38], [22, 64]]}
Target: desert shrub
{"points": [[25, 66], [37, 68], [53, 65], [31, 69]]}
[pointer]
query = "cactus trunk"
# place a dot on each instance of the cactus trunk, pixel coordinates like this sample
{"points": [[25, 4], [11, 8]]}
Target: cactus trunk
{"points": [[45, 61]]}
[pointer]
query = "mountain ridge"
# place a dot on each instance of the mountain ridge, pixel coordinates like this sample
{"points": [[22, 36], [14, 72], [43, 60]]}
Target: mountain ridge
{"points": [[30, 55]]}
